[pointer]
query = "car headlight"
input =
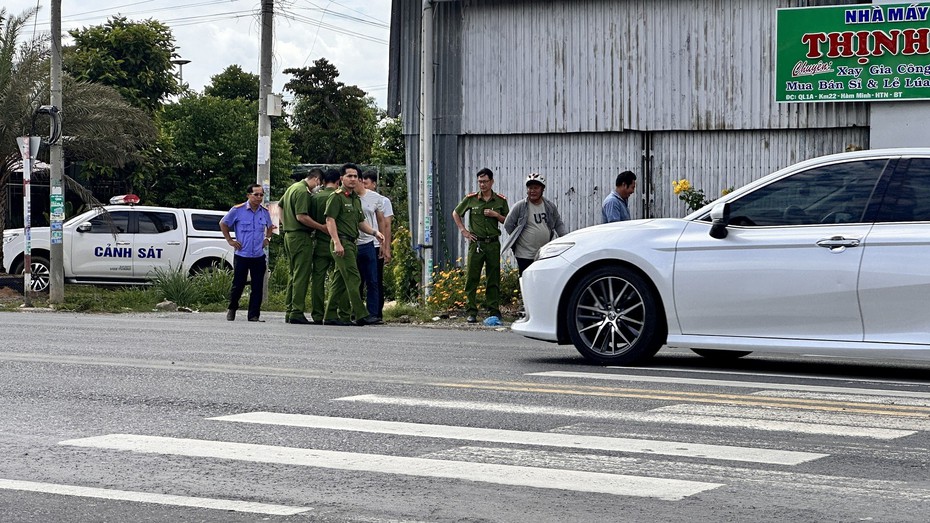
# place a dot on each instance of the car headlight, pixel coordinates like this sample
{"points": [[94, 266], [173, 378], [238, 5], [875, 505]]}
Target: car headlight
{"points": [[550, 250]]}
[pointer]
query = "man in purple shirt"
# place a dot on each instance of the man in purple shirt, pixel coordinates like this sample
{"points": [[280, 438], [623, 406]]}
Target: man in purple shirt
{"points": [[253, 226]]}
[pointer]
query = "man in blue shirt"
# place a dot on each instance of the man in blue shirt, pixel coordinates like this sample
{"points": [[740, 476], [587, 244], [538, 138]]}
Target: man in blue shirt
{"points": [[253, 227], [615, 207]]}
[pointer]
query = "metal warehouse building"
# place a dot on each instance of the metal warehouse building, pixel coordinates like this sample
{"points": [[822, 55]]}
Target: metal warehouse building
{"points": [[580, 90]]}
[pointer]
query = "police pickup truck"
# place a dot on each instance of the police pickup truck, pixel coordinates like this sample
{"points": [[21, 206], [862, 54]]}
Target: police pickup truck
{"points": [[124, 244]]}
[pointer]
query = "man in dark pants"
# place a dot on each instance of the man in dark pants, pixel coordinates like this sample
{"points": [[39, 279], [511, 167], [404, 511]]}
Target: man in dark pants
{"points": [[299, 228], [487, 211], [370, 181], [344, 219], [322, 257], [253, 228]]}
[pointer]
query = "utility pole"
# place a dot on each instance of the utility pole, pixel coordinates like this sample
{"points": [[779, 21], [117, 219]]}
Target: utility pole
{"points": [[263, 176], [425, 221], [56, 288]]}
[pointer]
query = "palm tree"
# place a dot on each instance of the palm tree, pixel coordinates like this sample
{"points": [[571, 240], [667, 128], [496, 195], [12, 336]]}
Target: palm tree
{"points": [[99, 125]]}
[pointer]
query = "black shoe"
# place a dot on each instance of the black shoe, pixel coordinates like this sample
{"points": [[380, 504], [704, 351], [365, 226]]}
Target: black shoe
{"points": [[256, 319], [287, 320], [471, 319], [368, 320], [338, 323], [299, 320], [230, 315]]}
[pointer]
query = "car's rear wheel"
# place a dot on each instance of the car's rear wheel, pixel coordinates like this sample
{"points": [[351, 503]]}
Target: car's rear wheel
{"points": [[613, 318], [41, 270], [722, 355]]}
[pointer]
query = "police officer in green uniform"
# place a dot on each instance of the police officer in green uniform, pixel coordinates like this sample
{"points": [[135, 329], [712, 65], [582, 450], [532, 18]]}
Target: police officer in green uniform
{"points": [[322, 257], [344, 218], [488, 210], [298, 229]]}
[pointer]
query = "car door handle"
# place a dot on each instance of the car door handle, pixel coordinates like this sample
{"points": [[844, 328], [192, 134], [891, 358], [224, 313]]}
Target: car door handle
{"points": [[124, 243], [174, 243], [838, 243]]}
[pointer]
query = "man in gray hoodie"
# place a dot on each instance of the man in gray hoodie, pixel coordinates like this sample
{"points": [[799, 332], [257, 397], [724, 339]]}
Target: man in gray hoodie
{"points": [[532, 223]]}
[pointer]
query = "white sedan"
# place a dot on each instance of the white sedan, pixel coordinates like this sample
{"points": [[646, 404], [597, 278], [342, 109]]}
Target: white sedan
{"points": [[828, 256]]}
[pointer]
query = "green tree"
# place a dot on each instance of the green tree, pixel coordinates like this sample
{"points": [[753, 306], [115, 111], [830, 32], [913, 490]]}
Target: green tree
{"points": [[213, 143], [332, 122], [388, 148], [233, 83], [133, 57], [100, 125]]}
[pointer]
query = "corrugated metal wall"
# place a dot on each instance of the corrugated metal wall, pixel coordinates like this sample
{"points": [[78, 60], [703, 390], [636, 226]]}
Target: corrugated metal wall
{"points": [[714, 161], [606, 65]]}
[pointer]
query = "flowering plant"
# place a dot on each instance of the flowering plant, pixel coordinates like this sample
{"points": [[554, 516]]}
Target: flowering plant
{"points": [[695, 198]]}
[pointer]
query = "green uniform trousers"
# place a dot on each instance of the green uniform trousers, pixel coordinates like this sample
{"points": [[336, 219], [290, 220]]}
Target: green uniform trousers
{"points": [[345, 300], [298, 246], [487, 255], [322, 266]]}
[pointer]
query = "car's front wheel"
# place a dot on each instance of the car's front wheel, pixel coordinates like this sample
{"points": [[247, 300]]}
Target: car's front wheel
{"points": [[40, 269], [613, 317]]}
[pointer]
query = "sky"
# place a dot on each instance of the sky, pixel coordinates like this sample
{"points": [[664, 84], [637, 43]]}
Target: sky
{"points": [[214, 34]]}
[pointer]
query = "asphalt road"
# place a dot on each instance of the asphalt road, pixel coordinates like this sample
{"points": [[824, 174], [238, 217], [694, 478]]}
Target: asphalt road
{"points": [[187, 417]]}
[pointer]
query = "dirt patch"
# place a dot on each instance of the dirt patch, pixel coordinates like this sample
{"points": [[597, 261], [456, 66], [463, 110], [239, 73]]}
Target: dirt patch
{"points": [[10, 296]]}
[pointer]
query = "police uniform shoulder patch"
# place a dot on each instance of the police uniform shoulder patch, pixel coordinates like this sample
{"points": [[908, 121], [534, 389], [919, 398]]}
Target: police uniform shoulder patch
{"points": [[469, 195], [501, 196]]}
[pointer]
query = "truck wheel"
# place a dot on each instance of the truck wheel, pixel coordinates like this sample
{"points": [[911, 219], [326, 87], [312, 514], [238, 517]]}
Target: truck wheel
{"points": [[206, 265], [613, 319], [41, 269]]}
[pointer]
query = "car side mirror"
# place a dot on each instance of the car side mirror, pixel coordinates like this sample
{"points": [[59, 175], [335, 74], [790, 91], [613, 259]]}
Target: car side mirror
{"points": [[84, 227], [720, 218]]}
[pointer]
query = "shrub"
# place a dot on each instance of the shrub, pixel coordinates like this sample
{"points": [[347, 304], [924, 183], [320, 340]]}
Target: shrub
{"points": [[448, 290], [175, 286], [402, 280]]}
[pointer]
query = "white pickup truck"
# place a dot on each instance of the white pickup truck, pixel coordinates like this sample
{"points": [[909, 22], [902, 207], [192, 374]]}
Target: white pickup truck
{"points": [[124, 245]]}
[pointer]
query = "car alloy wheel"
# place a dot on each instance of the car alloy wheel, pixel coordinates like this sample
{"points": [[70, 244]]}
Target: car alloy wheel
{"points": [[40, 273], [612, 317]]}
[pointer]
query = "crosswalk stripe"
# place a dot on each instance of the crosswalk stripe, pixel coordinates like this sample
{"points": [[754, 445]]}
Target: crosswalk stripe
{"points": [[682, 417], [146, 497], [889, 425], [516, 437], [730, 383], [617, 484], [857, 398], [737, 478]]}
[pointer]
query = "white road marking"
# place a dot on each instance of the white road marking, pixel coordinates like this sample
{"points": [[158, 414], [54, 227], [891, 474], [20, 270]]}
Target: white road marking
{"points": [[729, 383], [886, 427], [616, 484], [878, 400], [770, 375], [705, 419], [516, 437], [737, 477], [145, 497]]}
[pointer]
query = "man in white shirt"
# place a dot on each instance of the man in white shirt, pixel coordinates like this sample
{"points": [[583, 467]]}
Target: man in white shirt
{"points": [[372, 207], [370, 182]]}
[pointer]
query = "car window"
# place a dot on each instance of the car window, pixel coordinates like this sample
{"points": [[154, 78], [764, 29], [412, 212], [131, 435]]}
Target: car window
{"points": [[837, 193], [908, 196], [151, 222], [110, 223], [206, 222]]}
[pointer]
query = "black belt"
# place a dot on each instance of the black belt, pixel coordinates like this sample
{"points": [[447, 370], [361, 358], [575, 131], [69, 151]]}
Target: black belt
{"points": [[489, 239], [343, 237]]}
